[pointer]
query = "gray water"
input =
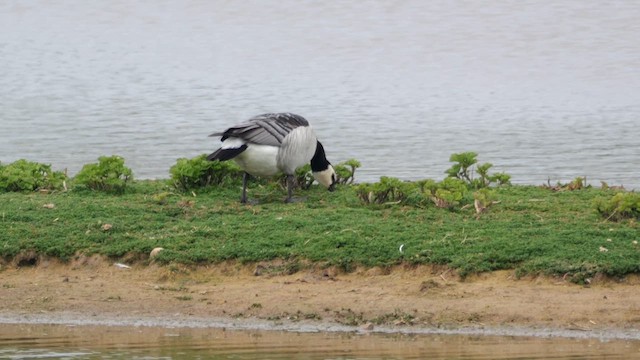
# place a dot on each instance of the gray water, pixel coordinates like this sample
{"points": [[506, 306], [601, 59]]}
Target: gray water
{"points": [[543, 90], [95, 342]]}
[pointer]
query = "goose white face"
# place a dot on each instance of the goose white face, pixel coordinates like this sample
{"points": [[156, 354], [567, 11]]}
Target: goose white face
{"points": [[326, 178]]}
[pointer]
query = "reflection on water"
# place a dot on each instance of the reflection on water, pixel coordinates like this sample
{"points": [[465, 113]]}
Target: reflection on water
{"points": [[542, 90], [82, 342]]}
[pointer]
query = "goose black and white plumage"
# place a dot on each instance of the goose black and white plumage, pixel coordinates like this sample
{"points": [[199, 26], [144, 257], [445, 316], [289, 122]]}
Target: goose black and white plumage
{"points": [[271, 143]]}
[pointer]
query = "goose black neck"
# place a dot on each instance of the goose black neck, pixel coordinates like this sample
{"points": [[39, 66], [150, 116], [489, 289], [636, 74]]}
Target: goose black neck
{"points": [[319, 161]]}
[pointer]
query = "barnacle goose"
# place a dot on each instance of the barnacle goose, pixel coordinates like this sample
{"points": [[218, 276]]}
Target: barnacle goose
{"points": [[271, 143]]}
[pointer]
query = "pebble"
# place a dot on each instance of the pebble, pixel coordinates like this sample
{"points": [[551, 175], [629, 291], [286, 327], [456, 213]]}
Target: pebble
{"points": [[368, 326], [155, 252]]}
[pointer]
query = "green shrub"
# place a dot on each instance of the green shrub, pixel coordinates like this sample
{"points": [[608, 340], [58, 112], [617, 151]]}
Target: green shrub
{"points": [[623, 205], [448, 193], [23, 175], [486, 179], [108, 175], [445, 194], [389, 189], [483, 199], [198, 172], [346, 171], [462, 169], [501, 178]]}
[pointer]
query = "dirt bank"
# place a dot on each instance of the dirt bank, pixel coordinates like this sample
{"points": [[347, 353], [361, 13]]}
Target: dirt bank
{"points": [[402, 298]]}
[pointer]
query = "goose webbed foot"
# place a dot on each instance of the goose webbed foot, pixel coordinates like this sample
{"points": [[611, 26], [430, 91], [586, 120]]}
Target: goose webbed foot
{"points": [[293, 200], [290, 184]]}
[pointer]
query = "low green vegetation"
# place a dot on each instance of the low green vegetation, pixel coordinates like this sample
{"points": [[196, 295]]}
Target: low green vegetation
{"points": [[623, 205], [469, 223], [458, 188], [23, 175], [198, 172], [463, 169], [109, 174]]}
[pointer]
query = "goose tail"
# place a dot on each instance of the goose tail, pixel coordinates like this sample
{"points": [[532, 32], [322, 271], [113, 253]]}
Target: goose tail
{"points": [[226, 154]]}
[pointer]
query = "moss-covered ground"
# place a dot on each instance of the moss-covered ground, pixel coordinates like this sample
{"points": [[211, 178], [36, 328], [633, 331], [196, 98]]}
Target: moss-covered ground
{"points": [[530, 229]]}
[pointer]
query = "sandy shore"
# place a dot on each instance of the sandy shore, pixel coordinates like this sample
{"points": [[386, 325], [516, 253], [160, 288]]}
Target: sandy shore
{"points": [[92, 291]]}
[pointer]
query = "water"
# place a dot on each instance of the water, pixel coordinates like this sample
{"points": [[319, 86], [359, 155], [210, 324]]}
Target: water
{"points": [[541, 90], [94, 342]]}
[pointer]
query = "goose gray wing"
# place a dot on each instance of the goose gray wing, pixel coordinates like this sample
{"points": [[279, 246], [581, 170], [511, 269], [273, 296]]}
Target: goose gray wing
{"points": [[265, 129]]}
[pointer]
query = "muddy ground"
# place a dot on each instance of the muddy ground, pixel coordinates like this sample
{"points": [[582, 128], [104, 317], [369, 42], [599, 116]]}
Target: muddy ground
{"points": [[401, 298]]}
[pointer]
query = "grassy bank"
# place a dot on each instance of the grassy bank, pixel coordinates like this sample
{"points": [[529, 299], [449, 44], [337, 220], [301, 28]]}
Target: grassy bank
{"points": [[531, 230]]}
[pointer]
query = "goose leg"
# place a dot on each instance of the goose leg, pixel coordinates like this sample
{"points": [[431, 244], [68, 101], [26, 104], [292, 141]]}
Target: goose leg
{"points": [[243, 199], [289, 189], [290, 186]]}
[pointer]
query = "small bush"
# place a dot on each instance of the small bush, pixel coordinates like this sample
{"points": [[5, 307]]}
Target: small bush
{"points": [[445, 194], [389, 189], [623, 205], [487, 179], [198, 172], [463, 170], [23, 175], [346, 171], [448, 193], [483, 199], [108, 175]]}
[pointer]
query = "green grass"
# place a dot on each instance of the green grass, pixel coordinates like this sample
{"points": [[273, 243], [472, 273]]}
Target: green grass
{"points": [[531, 230]]}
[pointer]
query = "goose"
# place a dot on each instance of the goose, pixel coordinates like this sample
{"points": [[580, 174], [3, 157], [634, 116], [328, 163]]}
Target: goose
{"points": [[271, 143]]}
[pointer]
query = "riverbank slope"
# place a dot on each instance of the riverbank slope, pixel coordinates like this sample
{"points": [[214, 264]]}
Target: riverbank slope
{"points": [[402, 298]]}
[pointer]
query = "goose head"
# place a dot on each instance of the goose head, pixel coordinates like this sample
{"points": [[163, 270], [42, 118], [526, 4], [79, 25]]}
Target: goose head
{"points": [[326, 178], [322, 169]]}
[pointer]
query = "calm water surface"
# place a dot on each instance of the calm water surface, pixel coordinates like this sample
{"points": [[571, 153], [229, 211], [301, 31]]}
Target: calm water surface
{"points": [[86, 342], [540, 89]]}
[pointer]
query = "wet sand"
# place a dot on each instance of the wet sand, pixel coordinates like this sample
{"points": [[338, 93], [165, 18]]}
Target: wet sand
{"points": [[411, 300]]}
